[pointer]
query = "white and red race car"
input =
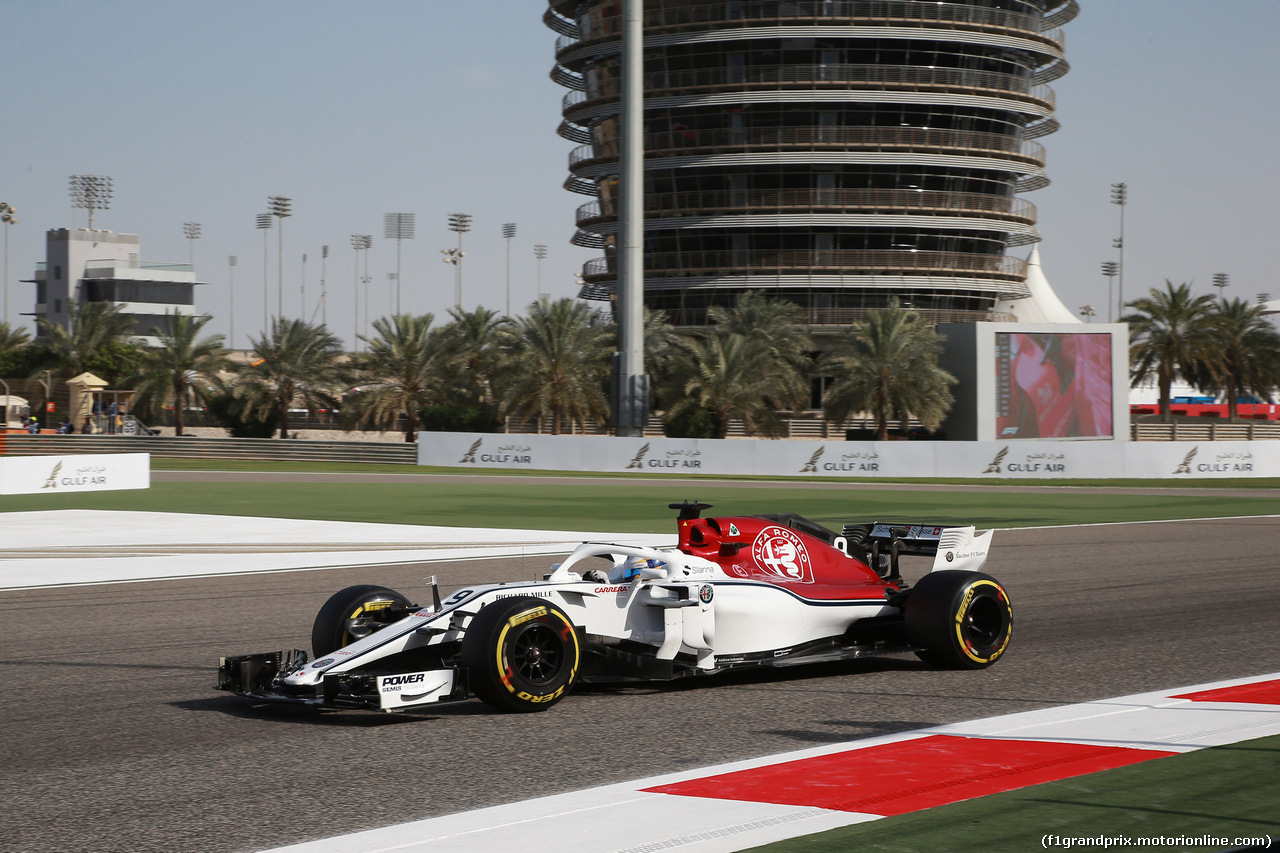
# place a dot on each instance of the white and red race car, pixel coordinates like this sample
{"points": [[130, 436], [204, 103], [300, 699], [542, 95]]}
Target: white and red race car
{"points": [[743, 591]]}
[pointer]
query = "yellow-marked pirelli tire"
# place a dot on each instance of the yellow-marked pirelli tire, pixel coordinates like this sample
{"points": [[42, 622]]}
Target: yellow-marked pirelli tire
{"points": [[959, 619], [353, 614], [521, 654]]}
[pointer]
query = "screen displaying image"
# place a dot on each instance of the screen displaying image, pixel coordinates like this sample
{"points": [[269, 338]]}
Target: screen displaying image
{"points": [[1053, 385]]}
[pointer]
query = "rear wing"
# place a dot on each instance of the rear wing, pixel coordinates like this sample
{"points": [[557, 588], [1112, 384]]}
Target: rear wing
{"points": [[961, 548]]}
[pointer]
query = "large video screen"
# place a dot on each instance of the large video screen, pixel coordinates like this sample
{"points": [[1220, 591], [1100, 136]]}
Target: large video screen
{"points": [[1053, 385]]}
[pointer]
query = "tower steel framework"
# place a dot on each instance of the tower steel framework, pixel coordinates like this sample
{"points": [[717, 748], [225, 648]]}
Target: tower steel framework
{"points": [[839, 153]]}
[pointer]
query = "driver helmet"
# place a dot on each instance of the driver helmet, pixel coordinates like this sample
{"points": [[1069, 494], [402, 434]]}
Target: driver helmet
{"points": [[635, 564]]}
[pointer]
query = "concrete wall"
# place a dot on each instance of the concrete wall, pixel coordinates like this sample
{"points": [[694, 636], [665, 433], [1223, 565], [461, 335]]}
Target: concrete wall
{"points": [[1030, 460]]}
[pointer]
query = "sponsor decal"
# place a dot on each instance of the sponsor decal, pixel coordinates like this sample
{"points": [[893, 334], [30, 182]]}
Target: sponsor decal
{"points": [[857, 462], [637, 461], [671, 459], [706, 592], [322, 663], [780, 553], [733, 529], [528, 593], [1032, 463], [469, 458], [951, 556], [511, 454], [1185, 467], [88, 475], [602, 590], [1227, 462], [394, 683], [811, 467]]}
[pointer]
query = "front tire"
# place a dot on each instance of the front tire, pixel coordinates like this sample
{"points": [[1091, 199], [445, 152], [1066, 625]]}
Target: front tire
{"points": [[354, 613], [521, 654], [961, 620]]}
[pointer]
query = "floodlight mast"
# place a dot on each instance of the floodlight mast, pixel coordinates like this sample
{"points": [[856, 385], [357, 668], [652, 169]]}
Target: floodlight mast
{"points": [[279, 206], [91, 192], [398, 227], [460, 223], [264, 224], [508, 231]]}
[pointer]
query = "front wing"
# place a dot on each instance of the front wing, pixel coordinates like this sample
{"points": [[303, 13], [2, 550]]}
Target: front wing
{"points": [[260, 676]]}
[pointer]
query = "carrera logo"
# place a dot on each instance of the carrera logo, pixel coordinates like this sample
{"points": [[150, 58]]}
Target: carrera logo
{"points": [[605, 589], [780, 553]]}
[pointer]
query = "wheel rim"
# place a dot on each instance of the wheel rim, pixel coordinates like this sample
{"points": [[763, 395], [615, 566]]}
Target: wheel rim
{"points": [[537, 654], [984, 622]]}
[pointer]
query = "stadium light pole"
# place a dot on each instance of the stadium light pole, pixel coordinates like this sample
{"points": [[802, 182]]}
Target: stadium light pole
{"points": [[398, 227], [1120, 196], [540, 252], [359, 242], [192, 232], [324, 289], [1087, 312], [279, 207], [232, 260], [7, 212], [91, 192], [1110, 269], [1220, 281], [508, 231], [459, 223], [264, 224]]}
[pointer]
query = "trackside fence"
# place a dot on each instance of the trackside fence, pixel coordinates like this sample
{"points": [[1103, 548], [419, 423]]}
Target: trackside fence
{"points": [[191, 447]]}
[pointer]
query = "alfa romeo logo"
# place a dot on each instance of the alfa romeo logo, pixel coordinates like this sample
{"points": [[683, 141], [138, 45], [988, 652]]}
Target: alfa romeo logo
{"points": [[779, 552]]}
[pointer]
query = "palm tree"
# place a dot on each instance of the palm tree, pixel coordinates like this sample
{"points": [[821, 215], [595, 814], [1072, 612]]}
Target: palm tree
{"points": [[180, 364], [474, 338], [556, 360], [12, 343], [400, 373], [1170, 336], [1247, 354], [779, 322], [97, 338], [888, 365], [297, 363], [728, 375]]}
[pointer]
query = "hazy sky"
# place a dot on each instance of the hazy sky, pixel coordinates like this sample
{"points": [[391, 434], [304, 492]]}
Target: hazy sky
{"points": [[199, 111]]}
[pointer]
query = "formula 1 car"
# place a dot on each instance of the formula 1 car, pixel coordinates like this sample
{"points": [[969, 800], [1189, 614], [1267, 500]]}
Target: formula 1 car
{"points": [[744, 591]]}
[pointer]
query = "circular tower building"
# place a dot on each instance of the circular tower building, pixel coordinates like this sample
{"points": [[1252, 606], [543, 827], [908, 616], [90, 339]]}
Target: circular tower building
{"points": [[838, 153]]}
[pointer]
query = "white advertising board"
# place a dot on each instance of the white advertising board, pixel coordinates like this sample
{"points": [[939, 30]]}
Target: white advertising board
{"points": [[32, 475], [1030, 460]]}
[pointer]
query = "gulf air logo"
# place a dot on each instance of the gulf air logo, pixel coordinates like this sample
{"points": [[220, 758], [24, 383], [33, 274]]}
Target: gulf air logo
{"points": [[780, 553]]}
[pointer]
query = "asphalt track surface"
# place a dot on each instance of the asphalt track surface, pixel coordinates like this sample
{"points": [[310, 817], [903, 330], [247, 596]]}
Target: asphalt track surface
{"points": [[115, 740]]}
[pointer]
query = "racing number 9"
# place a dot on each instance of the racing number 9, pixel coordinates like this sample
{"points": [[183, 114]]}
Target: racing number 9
{"points": [[521, 654]]}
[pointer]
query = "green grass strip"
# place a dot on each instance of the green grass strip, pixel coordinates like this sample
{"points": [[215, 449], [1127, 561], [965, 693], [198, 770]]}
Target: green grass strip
{"points": [[163, 464], [639, 507], [1227, 792]]}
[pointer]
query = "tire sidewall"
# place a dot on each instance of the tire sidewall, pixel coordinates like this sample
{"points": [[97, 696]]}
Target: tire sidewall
{"points": [[939, 609], [329, 631], [491, 640]]}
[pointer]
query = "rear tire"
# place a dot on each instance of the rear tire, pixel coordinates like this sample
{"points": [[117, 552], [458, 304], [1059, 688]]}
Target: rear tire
{"points": [[354, 613], [961, 620], [521, 654]]}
